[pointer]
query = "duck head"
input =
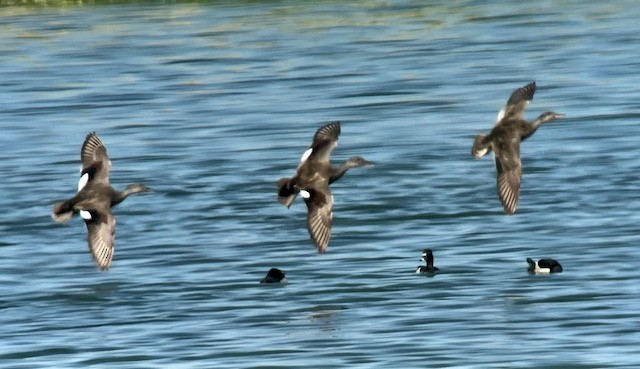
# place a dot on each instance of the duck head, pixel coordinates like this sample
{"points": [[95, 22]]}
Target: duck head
{"points": [[136, 188], [549, 116], [359, 161]]}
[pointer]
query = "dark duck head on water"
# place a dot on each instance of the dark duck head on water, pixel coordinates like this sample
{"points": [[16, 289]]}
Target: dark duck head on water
{"points": [[94, 200], [427, 257], [312, 179], [504, 139], [274, 275]]}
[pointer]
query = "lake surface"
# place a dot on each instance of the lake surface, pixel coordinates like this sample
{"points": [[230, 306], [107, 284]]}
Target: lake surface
{"points": [[210, 104]]}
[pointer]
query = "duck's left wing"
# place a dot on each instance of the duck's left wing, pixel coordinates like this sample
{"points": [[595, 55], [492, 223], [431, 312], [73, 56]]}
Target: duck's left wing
{"points": [[101, 229], [509, 168], [319, 216]]}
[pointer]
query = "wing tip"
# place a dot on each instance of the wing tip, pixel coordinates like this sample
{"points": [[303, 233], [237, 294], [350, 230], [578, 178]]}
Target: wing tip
{"points": [[322, 247]]}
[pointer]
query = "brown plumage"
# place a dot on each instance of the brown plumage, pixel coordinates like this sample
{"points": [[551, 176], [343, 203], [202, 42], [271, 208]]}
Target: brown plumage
{"points": [[313, 177], [94, 201], [319, 216], [504, 139]]}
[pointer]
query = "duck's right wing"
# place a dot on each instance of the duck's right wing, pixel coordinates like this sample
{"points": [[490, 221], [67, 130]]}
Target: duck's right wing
{"points": [[518, 101], [324, 141], [95, 161]]}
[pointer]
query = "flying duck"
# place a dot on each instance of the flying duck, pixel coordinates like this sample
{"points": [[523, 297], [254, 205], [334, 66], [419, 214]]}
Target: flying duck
{"points": [[274, 275], [427, 257], [543, 266], [312, 179], [94, 200], [504, 139]]}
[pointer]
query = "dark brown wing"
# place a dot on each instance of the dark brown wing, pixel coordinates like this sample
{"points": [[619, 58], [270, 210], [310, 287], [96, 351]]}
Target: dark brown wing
{"points": [[319, 217], [324, 141], [101, 229], [95, 161], [509, 167], [514, 110]]}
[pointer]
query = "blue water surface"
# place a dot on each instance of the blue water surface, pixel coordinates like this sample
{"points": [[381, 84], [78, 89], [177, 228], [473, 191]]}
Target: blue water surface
{"points": [[211, 103]]}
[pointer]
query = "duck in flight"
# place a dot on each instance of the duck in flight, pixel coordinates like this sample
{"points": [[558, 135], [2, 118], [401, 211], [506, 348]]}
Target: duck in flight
{"points": [[312, 179], [94, 200], [504, 139]]}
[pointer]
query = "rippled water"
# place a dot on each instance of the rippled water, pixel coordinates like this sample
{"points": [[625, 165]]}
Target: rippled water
{"points": [[210, 104]]}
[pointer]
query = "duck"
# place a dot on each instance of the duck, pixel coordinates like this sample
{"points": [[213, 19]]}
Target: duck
{"points": [[274, 275], [543, 266], [427, 257], [504, 140], [312, 179], [95, 199]]}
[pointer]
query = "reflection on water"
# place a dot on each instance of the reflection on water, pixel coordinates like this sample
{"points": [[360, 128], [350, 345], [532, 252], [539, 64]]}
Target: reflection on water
{"points": [[324, 317]]}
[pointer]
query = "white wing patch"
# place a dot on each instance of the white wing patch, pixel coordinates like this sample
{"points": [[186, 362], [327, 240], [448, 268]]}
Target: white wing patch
{"points": [[481, 153], [83, 181], [85, 215], [501, 114], [305, 194], [306, 155], [332, 202]]}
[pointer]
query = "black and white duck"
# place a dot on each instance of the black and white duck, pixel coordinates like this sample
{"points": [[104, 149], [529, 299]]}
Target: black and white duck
{"points": [[427, 257], [543, 266]]}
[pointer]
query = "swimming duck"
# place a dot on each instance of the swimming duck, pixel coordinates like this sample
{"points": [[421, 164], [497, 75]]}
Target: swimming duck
{"points": [[94, 200], [427, 257], [274, 275], [543, 266], [313, 177], [504, 139]]}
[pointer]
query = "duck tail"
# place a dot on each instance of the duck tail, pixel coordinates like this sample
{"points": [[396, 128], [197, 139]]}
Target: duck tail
{"points": [[62, 211], [480, 146], [287, 191]]}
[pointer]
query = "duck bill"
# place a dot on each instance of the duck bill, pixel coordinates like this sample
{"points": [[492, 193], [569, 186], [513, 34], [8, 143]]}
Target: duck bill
{"points": [[559, 115], [369, 164]]}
